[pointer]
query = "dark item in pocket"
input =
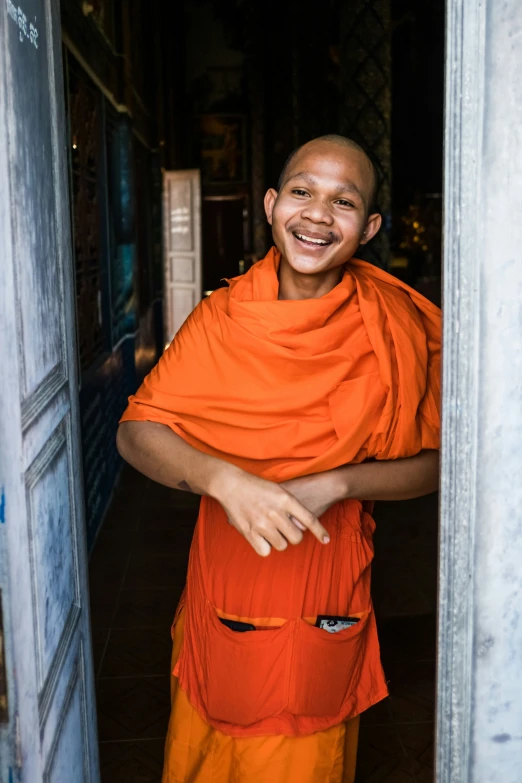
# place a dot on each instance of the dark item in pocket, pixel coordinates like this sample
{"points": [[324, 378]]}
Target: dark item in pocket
{"points": [[237, 625], [333, 624]]}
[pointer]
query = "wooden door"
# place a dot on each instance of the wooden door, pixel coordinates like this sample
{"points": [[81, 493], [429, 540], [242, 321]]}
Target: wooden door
{"points": [[48, 725], [181, 246], [223, 240]]}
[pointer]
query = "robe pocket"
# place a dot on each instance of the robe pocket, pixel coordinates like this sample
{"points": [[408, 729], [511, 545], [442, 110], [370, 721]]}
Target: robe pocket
{"points": [[326, 668], [245, 671], [355, 407]]}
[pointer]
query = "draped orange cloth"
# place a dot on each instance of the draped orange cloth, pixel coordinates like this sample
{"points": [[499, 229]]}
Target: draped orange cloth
{"points": [[285, 389]]}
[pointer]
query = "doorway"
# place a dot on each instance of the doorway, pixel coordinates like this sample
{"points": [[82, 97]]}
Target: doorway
{"points": [[60, 394], [225, 218]]}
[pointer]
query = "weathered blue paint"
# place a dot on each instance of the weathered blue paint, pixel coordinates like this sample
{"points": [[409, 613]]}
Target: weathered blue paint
{"points": [[2, 506], [121, 216], [50, 734]]}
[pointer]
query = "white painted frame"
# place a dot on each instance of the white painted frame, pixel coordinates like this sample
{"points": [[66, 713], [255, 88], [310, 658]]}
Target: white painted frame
{"points": [[479, 709]]}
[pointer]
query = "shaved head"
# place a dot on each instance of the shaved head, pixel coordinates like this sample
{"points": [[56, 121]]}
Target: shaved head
{"points": [[323, 208], [336, 140]]}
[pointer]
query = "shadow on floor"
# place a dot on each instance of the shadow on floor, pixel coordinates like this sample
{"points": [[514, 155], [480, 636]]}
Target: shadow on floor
{"points": [[137, 573]]}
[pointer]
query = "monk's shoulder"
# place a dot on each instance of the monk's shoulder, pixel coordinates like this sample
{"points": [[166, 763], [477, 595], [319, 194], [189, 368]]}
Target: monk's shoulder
{"points": [[401, 297], [404, 298], [207, 307], [219, 296], [202, 318]]}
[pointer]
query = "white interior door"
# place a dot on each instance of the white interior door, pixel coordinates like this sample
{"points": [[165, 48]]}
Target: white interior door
{"points": [[181, 246], [48, 724]]}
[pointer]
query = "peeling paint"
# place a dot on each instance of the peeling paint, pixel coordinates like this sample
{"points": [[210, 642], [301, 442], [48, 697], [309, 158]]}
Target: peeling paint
{"points": [[501, 738], [485, 645]]}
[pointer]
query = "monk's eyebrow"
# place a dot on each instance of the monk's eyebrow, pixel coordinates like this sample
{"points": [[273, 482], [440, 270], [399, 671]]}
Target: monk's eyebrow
{"points": [[350, 187], [347, 187], [302, 175]]}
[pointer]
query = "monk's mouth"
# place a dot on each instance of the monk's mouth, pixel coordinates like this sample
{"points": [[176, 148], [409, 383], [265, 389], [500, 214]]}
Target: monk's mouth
{"points": [[315, 243]]}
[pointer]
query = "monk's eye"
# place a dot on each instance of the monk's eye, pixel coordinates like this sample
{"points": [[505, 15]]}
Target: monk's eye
{"points": [[299, 192], [344, 203]]}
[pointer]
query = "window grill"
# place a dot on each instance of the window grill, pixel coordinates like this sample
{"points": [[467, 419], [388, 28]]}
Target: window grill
{"points": [[85, 127]]}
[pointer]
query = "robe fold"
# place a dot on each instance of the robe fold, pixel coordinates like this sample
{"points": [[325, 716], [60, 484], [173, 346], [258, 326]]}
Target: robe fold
{"points": [[285, 389]]}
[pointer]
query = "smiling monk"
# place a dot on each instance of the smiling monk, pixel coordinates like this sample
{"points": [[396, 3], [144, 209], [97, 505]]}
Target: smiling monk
{"points": [[289, 400]]}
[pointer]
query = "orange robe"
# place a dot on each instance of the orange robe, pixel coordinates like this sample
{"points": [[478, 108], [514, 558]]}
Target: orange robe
{"points": [[195, 752], [284, 389]]}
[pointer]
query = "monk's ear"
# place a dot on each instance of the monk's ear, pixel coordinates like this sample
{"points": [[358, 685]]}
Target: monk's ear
{"points": [[270, 200], [372, 226]]}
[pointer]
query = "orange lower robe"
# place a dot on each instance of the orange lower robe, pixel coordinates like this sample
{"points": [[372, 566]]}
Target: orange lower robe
{"points": [[285, 389]]}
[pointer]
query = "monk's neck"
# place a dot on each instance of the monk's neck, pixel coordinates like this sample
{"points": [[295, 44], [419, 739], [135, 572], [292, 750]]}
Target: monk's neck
{"points": [[294, 285]]}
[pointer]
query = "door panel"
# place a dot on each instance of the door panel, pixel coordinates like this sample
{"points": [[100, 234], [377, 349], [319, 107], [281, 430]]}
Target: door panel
{"points": [[223, 248], [31, 134], [50, 733], [181, 246], [51, 540], [66, 759]]}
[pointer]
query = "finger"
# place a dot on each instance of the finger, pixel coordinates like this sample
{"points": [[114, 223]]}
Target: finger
{"points": [[289, 528], [297, 523], [274, 537], [260, 544], [295, 509]]}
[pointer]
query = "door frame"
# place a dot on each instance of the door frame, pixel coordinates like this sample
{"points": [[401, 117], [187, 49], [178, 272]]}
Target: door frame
{"points": [[479, 682]]}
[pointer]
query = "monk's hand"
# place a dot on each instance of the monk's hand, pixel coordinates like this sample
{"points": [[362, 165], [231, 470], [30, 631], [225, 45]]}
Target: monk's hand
{"points": [[316, 492], [265, 513]]}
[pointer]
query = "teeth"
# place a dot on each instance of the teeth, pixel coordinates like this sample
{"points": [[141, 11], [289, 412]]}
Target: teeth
{"points": [[309, 239]]}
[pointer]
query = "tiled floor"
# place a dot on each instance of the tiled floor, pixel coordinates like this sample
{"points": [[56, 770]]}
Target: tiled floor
{"points": [[137, 572]]}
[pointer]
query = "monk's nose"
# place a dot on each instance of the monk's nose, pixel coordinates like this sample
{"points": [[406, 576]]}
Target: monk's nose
{"points": [[317, 212]]}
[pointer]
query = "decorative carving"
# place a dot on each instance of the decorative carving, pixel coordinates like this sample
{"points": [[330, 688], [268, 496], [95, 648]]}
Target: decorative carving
{"points": [[122, 228], [84, 103], [365, 59], [143, 197], [256, 20], [102, 12]]}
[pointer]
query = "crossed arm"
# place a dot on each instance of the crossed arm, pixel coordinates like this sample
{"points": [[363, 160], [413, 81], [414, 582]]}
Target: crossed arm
{"points": [[265, 513]]}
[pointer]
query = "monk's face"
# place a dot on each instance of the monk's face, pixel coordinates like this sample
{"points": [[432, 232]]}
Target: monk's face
{"points": [[319, 217]]}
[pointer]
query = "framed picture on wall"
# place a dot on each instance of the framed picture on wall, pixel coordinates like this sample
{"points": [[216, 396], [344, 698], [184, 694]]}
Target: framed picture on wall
{"points": [[220, 142]]}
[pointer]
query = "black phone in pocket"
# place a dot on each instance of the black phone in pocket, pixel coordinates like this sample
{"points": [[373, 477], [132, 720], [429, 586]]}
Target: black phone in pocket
{"points": [[237, 625]]}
